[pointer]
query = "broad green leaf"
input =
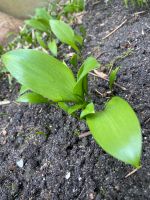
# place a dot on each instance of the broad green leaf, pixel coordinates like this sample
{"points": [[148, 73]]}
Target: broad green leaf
{"points": [[32, 97], [81, 85], [43, 74], [89, 64], [87, 111], [53, 47], [117, 131], [112, 77], [63, 32]]}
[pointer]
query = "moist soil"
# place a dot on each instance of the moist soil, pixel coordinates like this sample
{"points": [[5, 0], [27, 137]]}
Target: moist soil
{"points": [[58, 165]]}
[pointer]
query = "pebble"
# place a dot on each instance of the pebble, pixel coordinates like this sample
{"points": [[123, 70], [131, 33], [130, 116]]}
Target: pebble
{"points": [[68, 175], [20, 163], [4, 132], [91, 196]]}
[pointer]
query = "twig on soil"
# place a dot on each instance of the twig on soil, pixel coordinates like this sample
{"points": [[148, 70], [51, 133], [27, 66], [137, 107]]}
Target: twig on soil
{"points": [[132, 172], [109, 34], [147, 26], [139, 13], [101, 74], [82, 135], [3, 130], [97, 74], [5, 102], [99, 93], [103, 94], [95, 3], [147, 121]]}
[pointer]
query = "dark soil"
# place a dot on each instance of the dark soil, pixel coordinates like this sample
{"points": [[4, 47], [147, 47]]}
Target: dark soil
{"points": [[59, 165]]}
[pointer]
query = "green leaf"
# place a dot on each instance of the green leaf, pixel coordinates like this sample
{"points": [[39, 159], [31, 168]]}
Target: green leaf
{"points": [[63, 106], [38, 25], [43, 74], [78, 39], [63, 32], [112, 77], [32, 97], [40, 21], [74, 6], [81, 85], [117, 131], [40, 41], [71, 109], [87, 111], [74, 60], [75, 108], [23, 89], [41, 13], [82, 31], [53, 47], [1, 49]]}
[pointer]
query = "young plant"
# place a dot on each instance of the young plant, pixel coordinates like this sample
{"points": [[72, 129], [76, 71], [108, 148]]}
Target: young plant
{"points": [[43, 22], [113, 77], [38, 32], [46, 79], [40, 21]]}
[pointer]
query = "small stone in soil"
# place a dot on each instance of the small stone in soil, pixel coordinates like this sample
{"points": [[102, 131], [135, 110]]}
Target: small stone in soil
{"points": [[91, 196], [67, 175], [20, 163]]}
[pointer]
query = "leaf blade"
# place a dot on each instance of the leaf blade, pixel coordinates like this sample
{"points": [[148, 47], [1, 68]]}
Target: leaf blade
{"points": [[37, 25], [81, 86], [117, 131], [32, 97], [53, 47], [43, 74], [63, 32], [88, 110]]}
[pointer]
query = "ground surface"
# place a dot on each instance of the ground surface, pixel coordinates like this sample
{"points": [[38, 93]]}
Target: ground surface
{"points": [[61, 166]]}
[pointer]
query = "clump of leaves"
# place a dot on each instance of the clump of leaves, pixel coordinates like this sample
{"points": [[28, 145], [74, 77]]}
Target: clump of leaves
{"points": [[116, 129], [40, 21], [55, 29], [45, 31]]}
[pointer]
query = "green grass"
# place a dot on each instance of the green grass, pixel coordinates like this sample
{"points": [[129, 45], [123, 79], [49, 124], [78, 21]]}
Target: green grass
{"points": [[134, 2]]}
